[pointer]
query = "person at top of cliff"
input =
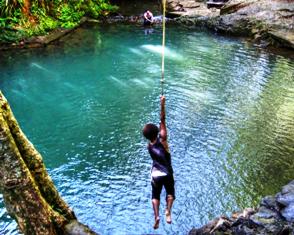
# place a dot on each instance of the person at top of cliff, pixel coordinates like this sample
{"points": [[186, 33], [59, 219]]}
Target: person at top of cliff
{"points": [[148, 18], [161, 171]]}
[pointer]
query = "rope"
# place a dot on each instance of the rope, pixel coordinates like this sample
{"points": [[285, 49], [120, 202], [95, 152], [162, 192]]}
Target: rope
{"points": [[163, 45]]}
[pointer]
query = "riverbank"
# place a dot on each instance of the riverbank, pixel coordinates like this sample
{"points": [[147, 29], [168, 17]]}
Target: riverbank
{"points": [[43, 40], [263, 23], [266, 23], [35, 24], [275, 215]]}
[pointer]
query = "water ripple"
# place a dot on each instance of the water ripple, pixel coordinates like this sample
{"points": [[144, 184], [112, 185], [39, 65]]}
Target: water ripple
{"points": [[230, 121]]}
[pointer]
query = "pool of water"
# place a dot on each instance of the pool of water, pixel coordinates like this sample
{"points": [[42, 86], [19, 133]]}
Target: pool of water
{"points": [[84, 101]]}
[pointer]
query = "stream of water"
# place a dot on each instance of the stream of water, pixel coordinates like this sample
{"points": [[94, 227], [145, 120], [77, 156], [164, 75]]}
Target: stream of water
{"points": [[84, 101]]}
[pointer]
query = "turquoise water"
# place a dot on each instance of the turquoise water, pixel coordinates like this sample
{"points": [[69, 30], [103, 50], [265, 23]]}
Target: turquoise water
{"points": [[83, 102]]}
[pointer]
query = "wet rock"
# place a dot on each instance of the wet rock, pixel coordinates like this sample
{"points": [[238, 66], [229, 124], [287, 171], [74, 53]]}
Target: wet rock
{"points": [[285, 199], [234, 6], [241, 223], [269, 202], [222, 224], [76, 228], [263, 20], [262, 221], [273, 21], [288, 213], [286, 230], [190, 4], [289, 188], [205, 230], [175, 5], [269, 218], [243, 230], [248, 212], [216, 3], [266, 213], [179, 8]]}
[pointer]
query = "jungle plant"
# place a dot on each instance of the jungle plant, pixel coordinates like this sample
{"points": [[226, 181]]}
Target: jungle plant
{"points": [[69, 16], [26, 18]]}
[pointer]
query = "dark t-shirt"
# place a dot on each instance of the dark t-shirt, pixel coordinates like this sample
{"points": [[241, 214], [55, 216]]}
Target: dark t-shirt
{"points": [[161, 157]]}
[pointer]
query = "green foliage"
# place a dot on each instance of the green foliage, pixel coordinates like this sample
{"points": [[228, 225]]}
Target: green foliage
{"points": [[3, 22], [69, 16], [10, 17], [96, 8], [10, 36], [7, 20], [44, 16], [8, 7], [47, 23]]}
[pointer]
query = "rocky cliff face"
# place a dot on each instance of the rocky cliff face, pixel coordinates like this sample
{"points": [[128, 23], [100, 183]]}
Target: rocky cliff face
{"points": [[260, 18], [274, 216], [189, 8], [263, 20], [182, 5]]}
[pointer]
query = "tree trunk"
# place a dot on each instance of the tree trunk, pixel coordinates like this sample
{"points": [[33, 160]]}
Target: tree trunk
{"points": [[26, 8], [28, 191]]}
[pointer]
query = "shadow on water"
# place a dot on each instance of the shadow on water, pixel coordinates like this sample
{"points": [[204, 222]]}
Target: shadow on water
{"points": [[84, 100]]}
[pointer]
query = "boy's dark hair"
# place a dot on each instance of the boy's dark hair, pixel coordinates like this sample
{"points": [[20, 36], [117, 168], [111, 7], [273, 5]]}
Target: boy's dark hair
{"points": [[150, 131]]}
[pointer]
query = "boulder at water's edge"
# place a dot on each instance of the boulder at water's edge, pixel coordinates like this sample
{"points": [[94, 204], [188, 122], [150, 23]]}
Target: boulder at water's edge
{"points": [[263, 20], [275, 215]]}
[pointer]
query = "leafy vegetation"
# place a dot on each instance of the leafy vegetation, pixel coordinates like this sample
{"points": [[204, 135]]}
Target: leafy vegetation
{"points": [[24, 18]]}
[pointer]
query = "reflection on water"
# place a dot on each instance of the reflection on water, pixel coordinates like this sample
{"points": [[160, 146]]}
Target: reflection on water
{"points": [[83, 103]]}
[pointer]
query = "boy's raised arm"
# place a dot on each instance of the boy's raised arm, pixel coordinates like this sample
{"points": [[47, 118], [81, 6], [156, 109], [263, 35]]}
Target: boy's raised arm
{"points": [[163, 131]]}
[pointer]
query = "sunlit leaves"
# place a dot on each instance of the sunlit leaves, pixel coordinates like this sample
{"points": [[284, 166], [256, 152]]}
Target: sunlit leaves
{"points": [[35, 17]]}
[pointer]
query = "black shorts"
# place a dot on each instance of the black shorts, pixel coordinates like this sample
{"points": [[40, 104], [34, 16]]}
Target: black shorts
{"points": [[166, 181], [147, 23]]}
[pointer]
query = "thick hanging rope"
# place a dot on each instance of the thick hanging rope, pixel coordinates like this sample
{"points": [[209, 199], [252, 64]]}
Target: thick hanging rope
{"points": [[163, 45]]}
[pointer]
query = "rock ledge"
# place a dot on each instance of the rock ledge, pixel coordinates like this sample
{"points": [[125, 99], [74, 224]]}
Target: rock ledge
{"points": [[264, 21]]}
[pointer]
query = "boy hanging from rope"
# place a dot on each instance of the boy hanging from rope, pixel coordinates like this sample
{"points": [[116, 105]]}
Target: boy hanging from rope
{"points": [[162, 171]]}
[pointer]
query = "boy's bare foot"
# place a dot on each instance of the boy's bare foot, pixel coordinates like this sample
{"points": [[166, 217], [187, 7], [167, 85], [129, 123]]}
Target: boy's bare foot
{"points": [[168, 217], [156, 223]]}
